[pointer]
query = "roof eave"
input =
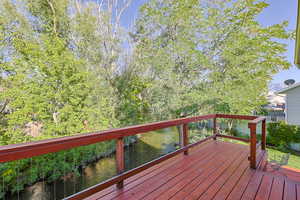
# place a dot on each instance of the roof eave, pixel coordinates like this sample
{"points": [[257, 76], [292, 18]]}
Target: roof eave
{"points": [[285, 90]]}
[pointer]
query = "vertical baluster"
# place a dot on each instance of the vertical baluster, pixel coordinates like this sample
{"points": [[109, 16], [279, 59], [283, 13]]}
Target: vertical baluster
{"points": [[64, 175], [185, 136], [252, 145], [74, 171], [55, 179], [215, 128], [120, 159], [32, 179], [180, 135], [2, 181], [18, 181], [263, 135], [43, 174], [3, 186]]}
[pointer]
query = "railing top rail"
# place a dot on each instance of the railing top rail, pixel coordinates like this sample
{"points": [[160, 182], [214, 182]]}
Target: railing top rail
{"points": [[255, 121], [36, 148], [31, 149], [242, 117]]}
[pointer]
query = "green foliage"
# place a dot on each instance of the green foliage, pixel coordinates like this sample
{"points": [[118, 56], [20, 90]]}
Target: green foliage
{"points": [[132, 107], [64, 69], [17, 174], [210, 53], [51, 86], [282, 134]]}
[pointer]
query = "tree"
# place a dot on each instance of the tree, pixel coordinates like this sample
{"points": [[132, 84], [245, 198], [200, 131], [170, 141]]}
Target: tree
{"points": [[59, 68], [53, 75], [210, 54]]}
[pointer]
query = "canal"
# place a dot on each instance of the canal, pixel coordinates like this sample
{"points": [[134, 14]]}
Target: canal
{"points": [[147, 147]]}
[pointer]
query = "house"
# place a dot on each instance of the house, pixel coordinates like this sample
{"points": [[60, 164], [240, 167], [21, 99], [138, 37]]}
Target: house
{"points": [[292, 108], [275, 107]]}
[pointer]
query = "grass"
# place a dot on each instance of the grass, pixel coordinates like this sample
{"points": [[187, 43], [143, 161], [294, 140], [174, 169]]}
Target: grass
{"points": [[294, 159], [276, 154]]}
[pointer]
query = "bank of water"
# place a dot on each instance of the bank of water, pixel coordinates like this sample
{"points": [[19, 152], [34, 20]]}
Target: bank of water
{"points": [[148, 147]]}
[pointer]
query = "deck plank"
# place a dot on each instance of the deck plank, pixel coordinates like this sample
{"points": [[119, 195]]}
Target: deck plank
{"points": [[226, 189], [241, 186], [253, 187], [188, 189], [152, 184], [148, 173], [169, 189], [298, 191], [265, 188], [277, 189], [289, 190], [208, 189], [215, 170], [135, 188], [189, 174]]}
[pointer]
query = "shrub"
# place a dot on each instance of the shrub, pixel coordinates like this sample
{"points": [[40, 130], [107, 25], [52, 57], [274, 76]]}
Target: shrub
{"points": [[282, 134]]}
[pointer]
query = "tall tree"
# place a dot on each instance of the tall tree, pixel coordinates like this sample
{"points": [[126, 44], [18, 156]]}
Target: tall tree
{"points": [[211, 55]]}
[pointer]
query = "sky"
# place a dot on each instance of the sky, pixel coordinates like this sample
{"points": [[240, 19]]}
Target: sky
{"points": [[278, 11]]}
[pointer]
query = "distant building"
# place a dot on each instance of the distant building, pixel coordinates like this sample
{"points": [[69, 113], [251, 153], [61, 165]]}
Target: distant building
{"points": [[292, 99], [275, 101], [275, 107]]}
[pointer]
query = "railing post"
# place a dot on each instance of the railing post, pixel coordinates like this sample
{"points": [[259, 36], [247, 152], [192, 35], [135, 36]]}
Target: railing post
{"points": [[252, 145], [185, 137], [263, 135], [120, 159], [215, 128]]}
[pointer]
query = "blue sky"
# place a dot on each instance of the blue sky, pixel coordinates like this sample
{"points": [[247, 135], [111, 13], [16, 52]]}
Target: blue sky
{"points": [[278, 11]]}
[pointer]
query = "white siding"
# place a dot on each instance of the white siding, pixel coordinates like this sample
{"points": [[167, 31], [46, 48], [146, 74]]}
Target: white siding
{"points": [[293, 106]]}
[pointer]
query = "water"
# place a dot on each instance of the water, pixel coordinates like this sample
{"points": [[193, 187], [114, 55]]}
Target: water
{"points": [[148, 147]]}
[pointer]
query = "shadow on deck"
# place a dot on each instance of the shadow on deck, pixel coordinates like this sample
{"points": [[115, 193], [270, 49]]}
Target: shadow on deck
{"points": [[213, 170]]}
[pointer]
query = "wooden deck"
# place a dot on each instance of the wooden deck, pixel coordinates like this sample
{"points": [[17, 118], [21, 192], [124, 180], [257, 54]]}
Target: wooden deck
{"points": [[214, 170]]}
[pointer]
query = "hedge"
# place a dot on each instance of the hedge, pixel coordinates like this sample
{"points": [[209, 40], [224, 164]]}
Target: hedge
{"points": [[282, 134]]}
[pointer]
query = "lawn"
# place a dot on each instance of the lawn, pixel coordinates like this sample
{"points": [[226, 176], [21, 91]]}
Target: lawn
{"points": [[294, 158]]}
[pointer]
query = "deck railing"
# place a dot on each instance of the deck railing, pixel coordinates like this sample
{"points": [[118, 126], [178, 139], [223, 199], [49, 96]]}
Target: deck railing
{"points": [[32, 149]]}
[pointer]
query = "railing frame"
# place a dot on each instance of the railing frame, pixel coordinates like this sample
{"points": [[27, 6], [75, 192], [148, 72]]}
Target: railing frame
{"points": [[28, 150], [252, 125]]}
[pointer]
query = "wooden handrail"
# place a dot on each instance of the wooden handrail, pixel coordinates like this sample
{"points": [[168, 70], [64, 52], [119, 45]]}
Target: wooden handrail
{"points": [[31, 149], [256, 120], [241, 117], [233, 137]]}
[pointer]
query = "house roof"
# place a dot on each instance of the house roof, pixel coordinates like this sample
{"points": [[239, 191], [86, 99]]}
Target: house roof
{"points": [[285, 90]]}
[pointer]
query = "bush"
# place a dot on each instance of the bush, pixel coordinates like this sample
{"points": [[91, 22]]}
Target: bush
{"points": [[282, 134]]}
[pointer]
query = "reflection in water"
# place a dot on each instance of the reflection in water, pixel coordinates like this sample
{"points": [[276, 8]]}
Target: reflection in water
{"points": [[148, 147]]}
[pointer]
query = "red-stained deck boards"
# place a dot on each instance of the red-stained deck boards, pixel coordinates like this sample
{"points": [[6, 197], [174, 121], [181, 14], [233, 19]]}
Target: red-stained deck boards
{"points": [[214, 170]]}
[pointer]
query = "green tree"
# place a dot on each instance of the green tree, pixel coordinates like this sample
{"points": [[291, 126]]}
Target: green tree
{"points": [[213, 55]]}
